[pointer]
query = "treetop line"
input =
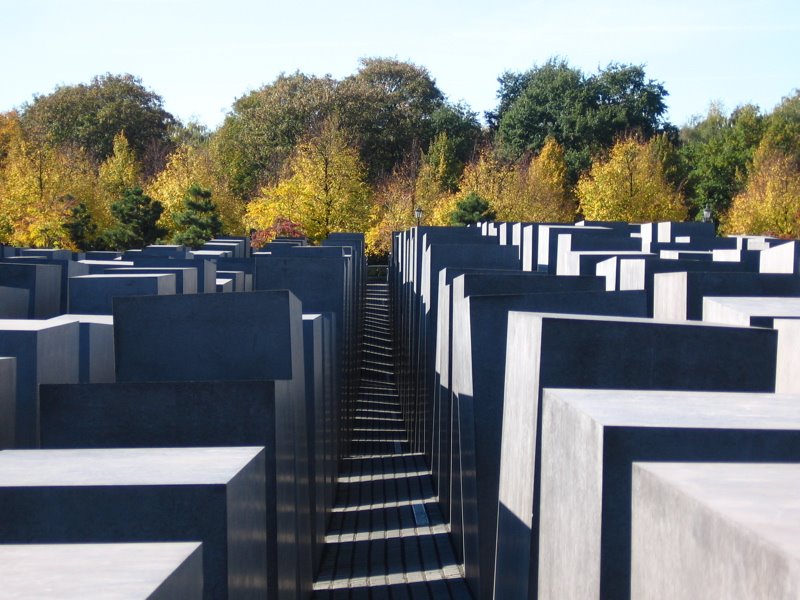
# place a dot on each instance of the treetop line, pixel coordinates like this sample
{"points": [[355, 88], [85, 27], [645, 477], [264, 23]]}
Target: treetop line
{"points": [[103, 164]]}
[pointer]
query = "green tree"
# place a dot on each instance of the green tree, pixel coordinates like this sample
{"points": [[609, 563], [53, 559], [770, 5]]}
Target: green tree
{"points": [[585, 114], [137, 217], [782, 132], [262, 130], [91, 115], [199, 221], [470, 210], [770, 202], [388, 106], [81, 228], [323, 191], [629, 186], [718, 152]]}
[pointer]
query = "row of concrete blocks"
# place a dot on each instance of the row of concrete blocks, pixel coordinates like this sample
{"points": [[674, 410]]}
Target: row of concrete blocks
{"points": [[281, 487], [481, 468]]}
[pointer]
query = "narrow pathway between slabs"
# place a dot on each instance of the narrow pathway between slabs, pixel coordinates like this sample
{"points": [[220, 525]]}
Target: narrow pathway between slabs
{"points": [[386, 538]]}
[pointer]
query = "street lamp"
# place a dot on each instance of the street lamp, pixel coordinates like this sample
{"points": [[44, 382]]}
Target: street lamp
{"points": [[706, 214], [418, 214]]}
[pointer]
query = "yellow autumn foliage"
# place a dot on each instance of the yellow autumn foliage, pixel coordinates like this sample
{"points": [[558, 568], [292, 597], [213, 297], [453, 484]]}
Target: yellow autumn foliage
{"points": [[770, 203], [629, 186]]}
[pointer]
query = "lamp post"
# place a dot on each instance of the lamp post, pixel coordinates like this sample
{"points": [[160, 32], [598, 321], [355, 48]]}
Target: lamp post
{"points": [[418, 214], [706, 214]]}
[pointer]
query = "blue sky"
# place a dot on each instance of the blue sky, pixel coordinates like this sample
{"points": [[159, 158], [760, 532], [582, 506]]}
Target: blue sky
{"points": [[200, 55]]}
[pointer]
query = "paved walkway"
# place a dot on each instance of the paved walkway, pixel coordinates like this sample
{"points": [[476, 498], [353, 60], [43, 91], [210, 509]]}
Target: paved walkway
{"points": [[386, 538]]}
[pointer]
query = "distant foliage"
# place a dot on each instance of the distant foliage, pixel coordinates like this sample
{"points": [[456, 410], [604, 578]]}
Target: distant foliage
{"points": [[324, 189], [770, 203], [199, 220], [137, 221], [470, 210], [281, 227], [630, 186], [81, 228]]}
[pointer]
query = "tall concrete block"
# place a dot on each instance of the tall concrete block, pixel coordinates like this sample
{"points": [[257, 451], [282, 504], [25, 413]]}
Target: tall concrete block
{"points": [[8, 400], [95, 346], [45, 353], [93, 294], [601, 353], [190, 414], [679, 296], [208, 337], [185, 277], [715, 531], [68, 268], [211, 495], [157, 571], [590, 439], [39, 284], [480, 324], [749, 311], [787, 370]]}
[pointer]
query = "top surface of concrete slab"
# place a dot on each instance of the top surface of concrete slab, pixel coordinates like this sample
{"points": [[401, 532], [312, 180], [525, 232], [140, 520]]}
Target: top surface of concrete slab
{"points": [[696, 410], [760, 497], [122, 276], [85, 571], [569, 317], [100, 319], [760, 306], [120, 467], [26, 324]]}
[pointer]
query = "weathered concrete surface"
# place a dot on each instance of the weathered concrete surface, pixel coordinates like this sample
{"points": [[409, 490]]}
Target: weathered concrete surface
{"points": [[600, 353], [709, 531], [212, 495], [590, 438], [156, 571]]}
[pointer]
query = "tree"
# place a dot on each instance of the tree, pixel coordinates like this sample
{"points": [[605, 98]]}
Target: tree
{"points": [[281, 227], [541, 192], [388, 106], [470, 210], [119, 172], [137, 217], [770, 203], [91, 115], [718, 152], [37, 186], [198, 222], [629, 186], [585, 114], [194, 164], [81, 228], [782, 131], [262, 130], [324, 189]]}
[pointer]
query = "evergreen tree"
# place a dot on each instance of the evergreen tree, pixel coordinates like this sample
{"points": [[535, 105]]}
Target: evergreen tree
{"points": [[199, 221], [470, 210], [137, 217], [81, 228]]}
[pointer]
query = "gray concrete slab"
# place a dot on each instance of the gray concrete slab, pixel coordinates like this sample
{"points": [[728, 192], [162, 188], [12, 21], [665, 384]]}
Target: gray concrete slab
{"points": [[157, 571], [42, 282], [590, 438], [8, 400], [95, 346], [710, 531], [189, 414], [185, 277], [211, 495], [787, 370], [600, 353], [679, 296], [207, 337], [93, 294], [749, 311], [45, 353], [480, 325]]}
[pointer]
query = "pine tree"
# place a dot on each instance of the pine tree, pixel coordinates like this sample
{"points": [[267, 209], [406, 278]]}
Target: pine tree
{"points": [[199, 220], [470, 210], [137, 221]]}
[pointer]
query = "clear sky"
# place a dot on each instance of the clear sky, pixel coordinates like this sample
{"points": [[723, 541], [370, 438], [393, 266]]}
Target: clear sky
{"points": [[200, 55]]}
